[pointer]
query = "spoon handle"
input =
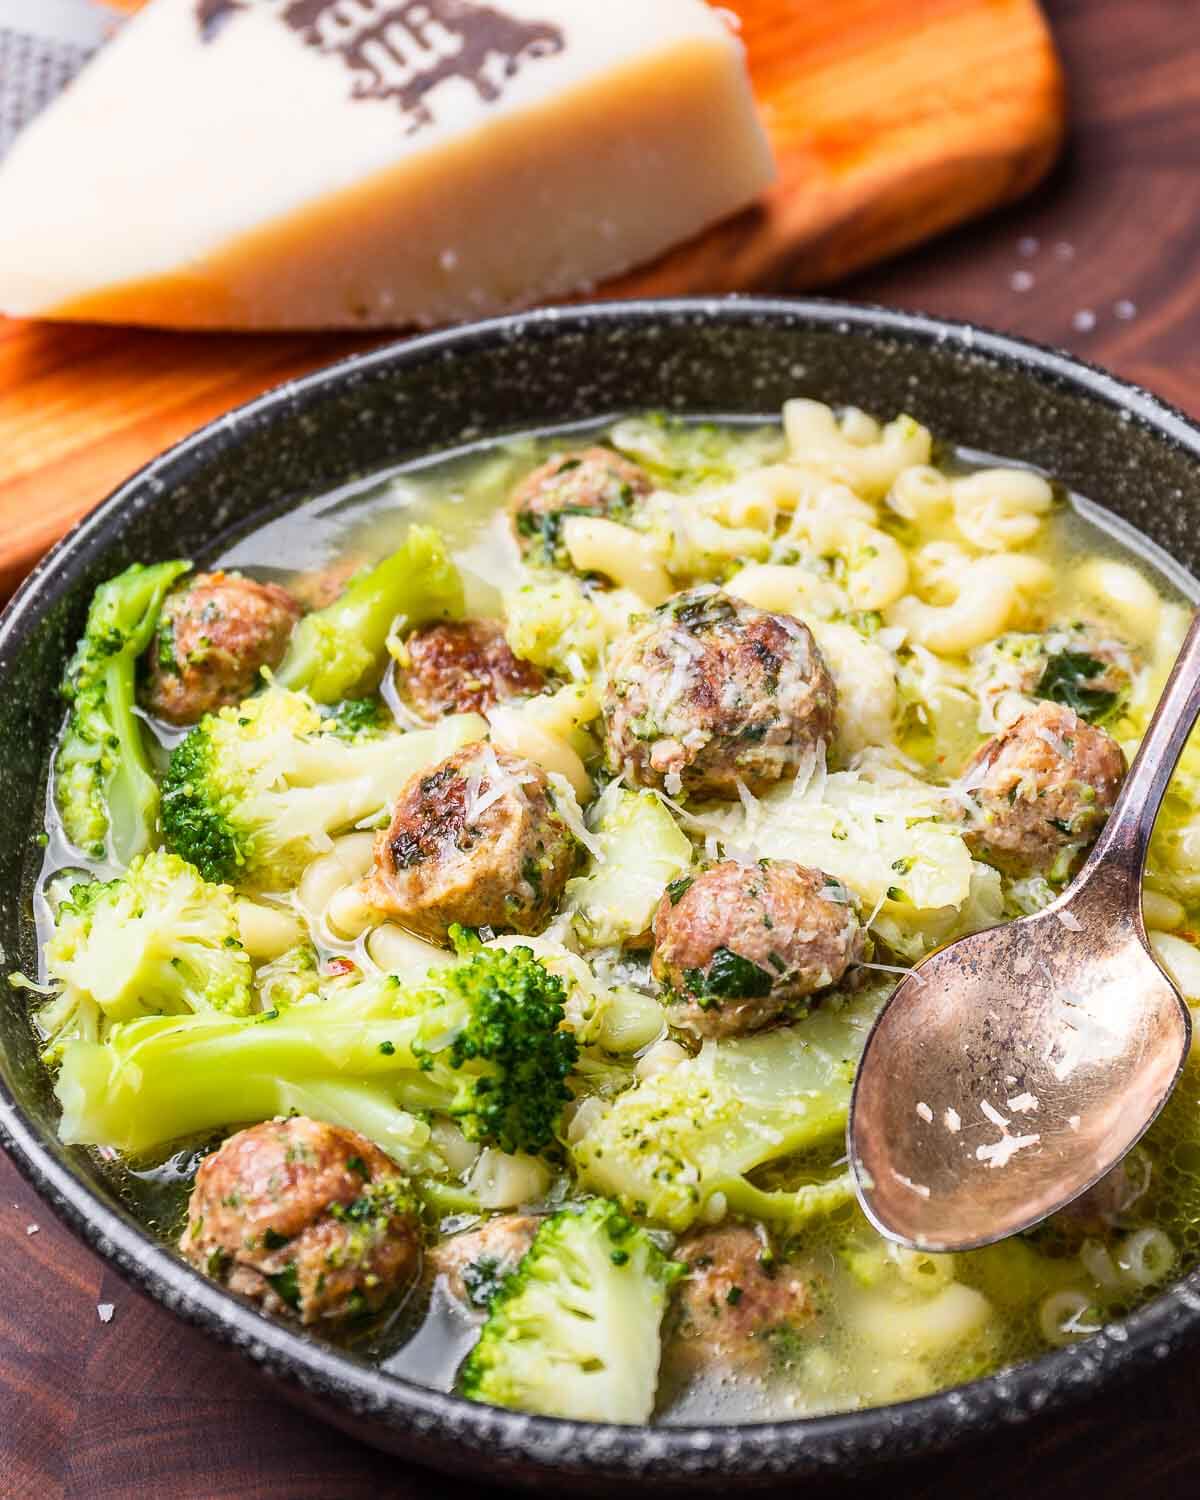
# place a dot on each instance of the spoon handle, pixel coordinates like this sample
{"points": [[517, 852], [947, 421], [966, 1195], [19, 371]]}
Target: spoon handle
{"points": [[1121, 848]]}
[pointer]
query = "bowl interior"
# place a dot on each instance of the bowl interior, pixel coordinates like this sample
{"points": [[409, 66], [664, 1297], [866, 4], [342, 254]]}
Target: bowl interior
{"points": [[1112, 444]]}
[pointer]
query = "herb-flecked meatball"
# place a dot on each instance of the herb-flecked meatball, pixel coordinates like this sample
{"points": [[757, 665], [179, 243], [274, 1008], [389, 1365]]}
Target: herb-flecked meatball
{"points": [[214, 637], [738, 1306], [1042, 791], [310, 1220], [463, 666], [743, 946], [475, 1262], [1080, 666], [591, 482], [476, 840], [709, 691]]}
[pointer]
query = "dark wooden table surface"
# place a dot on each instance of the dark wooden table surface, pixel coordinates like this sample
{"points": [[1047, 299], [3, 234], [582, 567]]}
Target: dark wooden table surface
{"points": [[1104, 261]]}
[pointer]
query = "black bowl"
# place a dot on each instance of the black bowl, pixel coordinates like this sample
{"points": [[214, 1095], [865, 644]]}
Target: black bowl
{"points": [[1105, 439]]}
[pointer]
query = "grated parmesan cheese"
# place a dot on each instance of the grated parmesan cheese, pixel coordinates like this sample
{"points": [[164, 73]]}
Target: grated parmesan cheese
{"points": [[952, 1121], [925, 1112], [1001, 1152], [1023, 1103], [1069, 920], [916, 1187]]}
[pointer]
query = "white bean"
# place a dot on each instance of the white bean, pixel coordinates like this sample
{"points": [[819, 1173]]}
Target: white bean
{"points": [[267, 931], [1181, 961], [515, 731], [398, 952], [1160, 911]]}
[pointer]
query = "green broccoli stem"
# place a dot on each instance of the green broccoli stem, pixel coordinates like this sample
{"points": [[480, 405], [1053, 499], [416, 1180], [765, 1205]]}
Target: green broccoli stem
{"points": [[163, 1079], [340, 651], [790, 1209], [104, 785]]}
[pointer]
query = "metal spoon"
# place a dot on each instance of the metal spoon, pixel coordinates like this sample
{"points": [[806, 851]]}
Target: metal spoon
{"points": [[1014, 1068]]}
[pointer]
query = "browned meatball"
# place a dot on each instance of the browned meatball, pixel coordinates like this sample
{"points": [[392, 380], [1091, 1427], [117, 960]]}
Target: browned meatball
{"points": [[463, 666], [710, 691], [321, 587], [1082, 666], [214, 637], [476, 1262], [311, 1220], [1042, 790], [742, 946], [1106, 1202], [591, 482], [476, 840], [738, 1306]]}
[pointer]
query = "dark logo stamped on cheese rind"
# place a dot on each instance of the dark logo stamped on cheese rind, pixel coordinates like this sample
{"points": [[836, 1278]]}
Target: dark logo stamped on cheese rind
{"points": [[406, 52]]}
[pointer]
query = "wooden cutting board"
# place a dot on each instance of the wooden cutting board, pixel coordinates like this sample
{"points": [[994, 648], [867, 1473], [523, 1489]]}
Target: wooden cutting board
{"points": [[891, 121]]}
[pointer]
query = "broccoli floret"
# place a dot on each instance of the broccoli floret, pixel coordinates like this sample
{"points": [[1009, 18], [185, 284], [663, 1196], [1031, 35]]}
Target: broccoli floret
{"points": [[341, 650], [575, 1330], [157, 941], [681, 1138], [483, 1042], [253, 793], [359, 718], [103, 788], [506, 1010]]}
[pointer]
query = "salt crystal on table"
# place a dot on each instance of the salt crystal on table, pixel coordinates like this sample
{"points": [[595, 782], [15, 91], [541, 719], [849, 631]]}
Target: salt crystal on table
{"points": [[1084, 320], [1125, 310], [32, 1228], [105, 1311], [1028, 245], [1065, 250], [1021, 281]]}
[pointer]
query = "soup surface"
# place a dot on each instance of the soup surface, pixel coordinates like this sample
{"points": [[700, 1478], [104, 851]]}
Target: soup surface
{"points": [[492, 891]]}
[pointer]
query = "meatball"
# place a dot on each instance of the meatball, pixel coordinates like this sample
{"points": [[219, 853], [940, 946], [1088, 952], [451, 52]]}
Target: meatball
{"points": [[213, 639], [592, 482], [1106, 1202], [742, 946], [311, 1220], [476, 840], [319, 589], [462, 667], [1042, 790], [476, 1262], [709, 691], [1080, 665], [737, 1306]]}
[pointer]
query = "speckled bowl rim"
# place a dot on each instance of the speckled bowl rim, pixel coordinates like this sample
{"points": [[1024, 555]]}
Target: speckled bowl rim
{"points": [[457, 1434]]}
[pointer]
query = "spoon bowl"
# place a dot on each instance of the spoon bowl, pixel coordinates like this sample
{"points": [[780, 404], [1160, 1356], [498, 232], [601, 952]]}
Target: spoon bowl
{"points": [[974, 1121], [1014, 1068]]}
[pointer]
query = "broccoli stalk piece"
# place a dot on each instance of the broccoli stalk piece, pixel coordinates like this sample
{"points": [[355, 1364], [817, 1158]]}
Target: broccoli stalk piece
{"points": [[683, 1138], [103, 787], [574, 1331], [254, 792], [342, 649], [482, 1042], [158, 941]]}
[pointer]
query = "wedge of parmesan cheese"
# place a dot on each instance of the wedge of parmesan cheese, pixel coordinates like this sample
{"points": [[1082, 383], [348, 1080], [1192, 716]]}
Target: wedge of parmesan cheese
{"points": [[335, 163]]}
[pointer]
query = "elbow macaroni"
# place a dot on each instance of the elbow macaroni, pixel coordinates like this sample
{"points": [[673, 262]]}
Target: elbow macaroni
{"points": [[854, 451]]}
